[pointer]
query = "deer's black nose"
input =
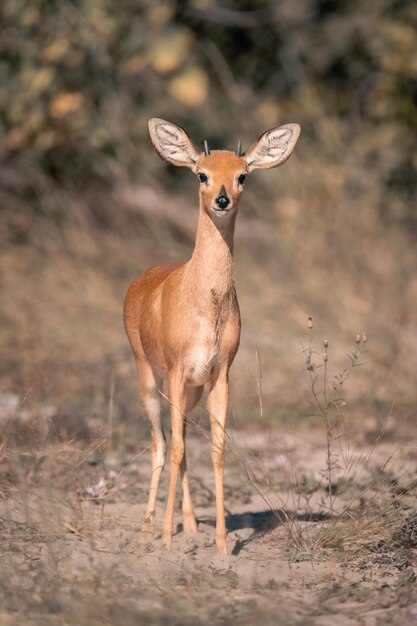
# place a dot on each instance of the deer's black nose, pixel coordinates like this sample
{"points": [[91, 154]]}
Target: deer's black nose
{"points": [[222, 200]]}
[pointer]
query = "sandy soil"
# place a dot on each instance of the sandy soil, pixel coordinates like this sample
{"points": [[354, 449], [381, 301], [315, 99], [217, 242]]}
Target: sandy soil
{"points": [[72, 554]]}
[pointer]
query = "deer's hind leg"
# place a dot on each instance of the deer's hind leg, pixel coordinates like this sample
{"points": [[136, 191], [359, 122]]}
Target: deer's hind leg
{"points": [[193, 395], [149, 389]]}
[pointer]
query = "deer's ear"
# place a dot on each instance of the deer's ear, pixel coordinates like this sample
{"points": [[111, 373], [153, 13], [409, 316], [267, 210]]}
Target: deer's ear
{"points": [[172, 143], [272, 148]]}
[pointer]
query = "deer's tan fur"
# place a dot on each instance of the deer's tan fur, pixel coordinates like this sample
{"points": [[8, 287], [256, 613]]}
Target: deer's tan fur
{"points": [[183, 321]]}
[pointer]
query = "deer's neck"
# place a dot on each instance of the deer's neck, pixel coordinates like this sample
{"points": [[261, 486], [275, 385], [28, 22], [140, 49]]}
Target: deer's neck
{"points": [[211, 265]]}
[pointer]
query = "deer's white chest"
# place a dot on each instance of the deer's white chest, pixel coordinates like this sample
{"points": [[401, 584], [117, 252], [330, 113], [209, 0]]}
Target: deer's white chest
{"points": [[202, 354], [199, 364]]}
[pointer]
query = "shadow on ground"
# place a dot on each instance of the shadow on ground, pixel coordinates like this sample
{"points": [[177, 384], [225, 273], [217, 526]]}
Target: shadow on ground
{"points": [[262, 523]]}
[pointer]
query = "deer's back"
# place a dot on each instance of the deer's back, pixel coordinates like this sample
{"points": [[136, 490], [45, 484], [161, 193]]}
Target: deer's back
{"points": [[143, 315]]}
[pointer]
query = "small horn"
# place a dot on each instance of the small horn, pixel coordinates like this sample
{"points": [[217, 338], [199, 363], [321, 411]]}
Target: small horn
{"points": [[206, 148], [239, 149]]}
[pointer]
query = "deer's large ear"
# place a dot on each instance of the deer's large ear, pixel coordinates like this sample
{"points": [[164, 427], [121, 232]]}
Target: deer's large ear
{"points": [[172, 143], [272, 148]]}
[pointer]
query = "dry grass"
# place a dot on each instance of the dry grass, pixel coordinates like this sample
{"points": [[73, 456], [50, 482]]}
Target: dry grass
{"points": [[76, 444], [71, 508], [62, 334], [322, 507]]}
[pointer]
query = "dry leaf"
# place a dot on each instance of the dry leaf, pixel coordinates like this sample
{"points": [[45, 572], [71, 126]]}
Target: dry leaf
{"points": [[191, 87], [171, 51], [63, 104]]}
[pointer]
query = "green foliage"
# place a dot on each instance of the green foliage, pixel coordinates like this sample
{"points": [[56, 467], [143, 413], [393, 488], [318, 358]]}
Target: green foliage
{"points": [[80, 79]]}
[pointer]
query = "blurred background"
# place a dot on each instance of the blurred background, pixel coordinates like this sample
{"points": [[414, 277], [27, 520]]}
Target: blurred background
{"points": [[86, 204]]}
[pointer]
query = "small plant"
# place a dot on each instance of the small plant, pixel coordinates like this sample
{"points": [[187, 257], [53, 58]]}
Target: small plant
{"points": [[328, 400]]}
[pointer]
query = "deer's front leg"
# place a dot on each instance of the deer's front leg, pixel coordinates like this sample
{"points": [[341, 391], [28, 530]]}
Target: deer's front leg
{"points": [[177, 407], [217, 406]]}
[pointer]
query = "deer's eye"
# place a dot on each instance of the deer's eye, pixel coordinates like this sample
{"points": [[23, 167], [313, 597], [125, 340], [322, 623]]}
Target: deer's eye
{"points": [[202, 177], [241, 179]]}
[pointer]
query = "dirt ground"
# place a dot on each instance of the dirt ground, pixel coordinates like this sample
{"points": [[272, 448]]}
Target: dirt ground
{"points": [[71, 552]]}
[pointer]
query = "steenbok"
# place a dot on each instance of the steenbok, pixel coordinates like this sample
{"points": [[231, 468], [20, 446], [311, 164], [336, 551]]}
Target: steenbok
{"points": [[183, 321]]}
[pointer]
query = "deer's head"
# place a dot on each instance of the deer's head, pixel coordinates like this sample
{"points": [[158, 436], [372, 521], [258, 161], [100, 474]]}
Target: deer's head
{"points": [[222, 173]]}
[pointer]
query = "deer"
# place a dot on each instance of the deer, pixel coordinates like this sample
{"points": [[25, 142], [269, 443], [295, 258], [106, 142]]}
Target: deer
{"points": [[183, 320]]}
